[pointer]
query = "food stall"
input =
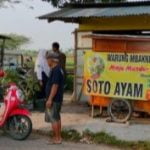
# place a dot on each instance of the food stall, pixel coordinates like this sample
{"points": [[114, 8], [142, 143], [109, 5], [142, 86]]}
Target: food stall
{"points": [[117, 74], [110, 33]]}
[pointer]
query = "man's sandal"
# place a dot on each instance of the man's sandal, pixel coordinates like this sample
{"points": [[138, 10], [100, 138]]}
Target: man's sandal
{"points": [[50, 142]]}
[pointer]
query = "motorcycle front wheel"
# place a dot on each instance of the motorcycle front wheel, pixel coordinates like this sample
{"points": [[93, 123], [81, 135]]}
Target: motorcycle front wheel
{"points": [[19, 127]]}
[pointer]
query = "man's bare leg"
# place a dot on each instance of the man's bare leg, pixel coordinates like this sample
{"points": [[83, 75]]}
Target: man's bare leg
{"points": [[59, 128], [56, 132], [54, 128]]}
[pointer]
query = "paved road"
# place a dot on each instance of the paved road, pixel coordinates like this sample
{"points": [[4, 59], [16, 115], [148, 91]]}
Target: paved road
{"points": [[39, 143]]}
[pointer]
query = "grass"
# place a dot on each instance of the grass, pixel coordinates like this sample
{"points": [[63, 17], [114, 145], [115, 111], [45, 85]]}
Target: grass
{"points": [[71, 135], [70, 77], [70, 62], [89, 137], [104, 138], [69, 83]]}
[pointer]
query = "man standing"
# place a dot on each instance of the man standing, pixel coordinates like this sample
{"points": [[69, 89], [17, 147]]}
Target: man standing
{"points": [[62, 56], [54, 93], [42, 72]]}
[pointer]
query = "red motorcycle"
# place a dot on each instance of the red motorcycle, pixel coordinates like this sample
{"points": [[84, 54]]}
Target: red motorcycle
{"points": [[14, 119]]}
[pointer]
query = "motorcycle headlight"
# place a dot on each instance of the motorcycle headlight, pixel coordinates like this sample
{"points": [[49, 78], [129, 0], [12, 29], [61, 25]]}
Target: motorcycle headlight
{"points": [[20, 95]]}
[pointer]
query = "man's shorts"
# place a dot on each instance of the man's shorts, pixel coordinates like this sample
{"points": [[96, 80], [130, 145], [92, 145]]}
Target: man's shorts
{"points": [[52, 114]]}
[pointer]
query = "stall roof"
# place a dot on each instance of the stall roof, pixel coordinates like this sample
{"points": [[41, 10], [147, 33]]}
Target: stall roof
{"points": [[75, 12], [118, 37]]}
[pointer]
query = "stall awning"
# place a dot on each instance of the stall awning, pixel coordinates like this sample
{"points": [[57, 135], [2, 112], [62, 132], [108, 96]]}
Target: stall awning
{"points": [[118, 37], [74, 12]]}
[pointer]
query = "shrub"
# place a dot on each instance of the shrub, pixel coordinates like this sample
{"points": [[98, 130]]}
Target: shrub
{"points": [[27, 83], [69, 83], [71, 135]]}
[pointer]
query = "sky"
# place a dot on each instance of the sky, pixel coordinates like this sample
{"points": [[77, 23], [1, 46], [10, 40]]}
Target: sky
{"points": [[21, 19]]}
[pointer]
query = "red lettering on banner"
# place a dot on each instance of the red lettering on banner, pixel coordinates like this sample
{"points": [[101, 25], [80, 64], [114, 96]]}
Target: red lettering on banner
{"points": [[116, 68], [137, 69], [119, 68]]}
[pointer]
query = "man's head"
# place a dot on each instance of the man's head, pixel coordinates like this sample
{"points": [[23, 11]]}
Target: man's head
{"points": [[55, 47], [52, 59]]}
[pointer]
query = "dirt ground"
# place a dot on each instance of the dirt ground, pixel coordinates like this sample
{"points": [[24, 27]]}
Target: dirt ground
{"points": [[71, 115], [76, 116]]}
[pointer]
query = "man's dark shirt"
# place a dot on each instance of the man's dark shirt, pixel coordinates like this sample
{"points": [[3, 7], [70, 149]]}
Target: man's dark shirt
{"points": [[56, 77]]}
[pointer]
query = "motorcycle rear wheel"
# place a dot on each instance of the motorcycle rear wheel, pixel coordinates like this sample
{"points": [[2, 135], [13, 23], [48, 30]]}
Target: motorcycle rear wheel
{"points": [[19, 127]]}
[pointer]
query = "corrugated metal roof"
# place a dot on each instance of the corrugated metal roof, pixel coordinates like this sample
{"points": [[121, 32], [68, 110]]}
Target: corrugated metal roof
{"points": [[106, 12]]}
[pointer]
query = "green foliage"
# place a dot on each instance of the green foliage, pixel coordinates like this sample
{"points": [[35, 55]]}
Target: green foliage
{"points": [[11, 77], [30, 86], [31, 53], [59, 3], [71, 135], [67, 135], [16, 41], [103, 138], [2, 2], [28, 83], [69, 83], [69, 68], [70, 62]]}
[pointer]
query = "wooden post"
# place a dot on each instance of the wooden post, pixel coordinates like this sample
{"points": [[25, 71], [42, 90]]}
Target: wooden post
{"points": [[2, 53], [75, 63], [92, 111]]}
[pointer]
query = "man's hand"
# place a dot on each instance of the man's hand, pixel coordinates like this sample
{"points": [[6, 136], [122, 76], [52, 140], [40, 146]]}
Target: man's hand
{"points": [[49, 104]]}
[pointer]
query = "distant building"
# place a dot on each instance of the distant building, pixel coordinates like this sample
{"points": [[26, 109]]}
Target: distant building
{"points": [[12, 59]]}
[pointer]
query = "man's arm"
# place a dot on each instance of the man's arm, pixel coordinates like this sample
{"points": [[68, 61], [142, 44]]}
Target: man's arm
{"points": [[53, 92]]}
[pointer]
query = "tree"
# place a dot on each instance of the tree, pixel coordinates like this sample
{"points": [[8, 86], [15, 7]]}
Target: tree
{"points": [[58, 3], [15, 42], [2, 2]]}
